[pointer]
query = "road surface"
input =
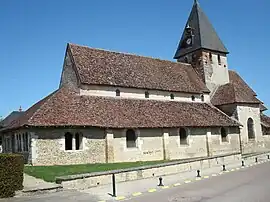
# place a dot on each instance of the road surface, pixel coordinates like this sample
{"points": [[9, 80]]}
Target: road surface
{"points": [[246, 185]]}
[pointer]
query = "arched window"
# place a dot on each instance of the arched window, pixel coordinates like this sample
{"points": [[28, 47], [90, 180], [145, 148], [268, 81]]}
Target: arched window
{"points": [[224, 135], [183, 136], [117, 92], [250, 127], [68, 141], [202, 98], [146, 94], [131, 138], [193, 98], [172, 96], [210, 57], [78, 141], [219, 60]]}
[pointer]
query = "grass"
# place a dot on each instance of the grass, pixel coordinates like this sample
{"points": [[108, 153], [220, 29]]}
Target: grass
{"points": [[49, 173]]}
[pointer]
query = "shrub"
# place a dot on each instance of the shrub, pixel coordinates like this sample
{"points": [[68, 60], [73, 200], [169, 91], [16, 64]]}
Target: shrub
{"points": [[11, 174]]}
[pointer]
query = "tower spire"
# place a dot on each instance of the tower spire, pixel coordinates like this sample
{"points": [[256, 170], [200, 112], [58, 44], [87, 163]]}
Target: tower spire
{"points": [[199, 34]]}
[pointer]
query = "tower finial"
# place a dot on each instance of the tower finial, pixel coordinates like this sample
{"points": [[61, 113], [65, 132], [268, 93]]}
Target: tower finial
{"points": [[196, 2]]}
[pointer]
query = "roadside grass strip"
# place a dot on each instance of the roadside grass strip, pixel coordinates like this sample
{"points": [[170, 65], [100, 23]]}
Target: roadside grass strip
{"points": [[118, 198], [177, 184], [152, 190], [137, 194]]}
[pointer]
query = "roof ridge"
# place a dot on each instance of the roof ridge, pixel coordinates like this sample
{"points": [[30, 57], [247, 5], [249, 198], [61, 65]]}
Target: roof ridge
{"points": [[131, 54]]}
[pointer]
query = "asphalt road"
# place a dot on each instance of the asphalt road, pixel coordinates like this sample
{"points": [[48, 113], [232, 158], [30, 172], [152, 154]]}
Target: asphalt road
{"points": [[246, 185]]}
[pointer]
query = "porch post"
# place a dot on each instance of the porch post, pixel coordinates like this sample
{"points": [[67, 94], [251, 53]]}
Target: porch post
{"points": [[165, 139], [109, 141]]}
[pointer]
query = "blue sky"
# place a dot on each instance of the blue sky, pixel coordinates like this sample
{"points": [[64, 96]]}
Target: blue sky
{"points": [[34, 34]]}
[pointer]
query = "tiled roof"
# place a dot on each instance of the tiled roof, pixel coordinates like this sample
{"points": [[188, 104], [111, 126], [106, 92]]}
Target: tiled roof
{"points": [[66, 108], [101, 67], [237, 91], [11, 117], [265, 120]]}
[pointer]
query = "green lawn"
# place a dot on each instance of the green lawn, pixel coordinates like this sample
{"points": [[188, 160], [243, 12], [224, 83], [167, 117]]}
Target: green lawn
{"points": [[49, 173]]}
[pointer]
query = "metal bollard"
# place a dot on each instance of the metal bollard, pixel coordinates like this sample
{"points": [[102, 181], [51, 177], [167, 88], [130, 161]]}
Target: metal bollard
{"points": [[268, 157], [198, 173], [256, 160], [114, 187], [224, 168], [160, 182], [243, 163]]}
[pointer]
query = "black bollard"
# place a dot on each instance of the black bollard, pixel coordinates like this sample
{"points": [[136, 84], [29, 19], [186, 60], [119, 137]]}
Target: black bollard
{"points": [[256, 160], [160, 182], [198, 173], [243, 163], [224, 168], [113, 184], [268, 156]]}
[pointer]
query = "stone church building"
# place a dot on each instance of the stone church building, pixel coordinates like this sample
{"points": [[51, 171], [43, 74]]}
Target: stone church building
{"points": [[117, 107]]}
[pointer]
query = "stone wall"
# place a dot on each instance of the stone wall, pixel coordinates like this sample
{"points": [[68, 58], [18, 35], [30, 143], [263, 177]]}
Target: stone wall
{"points": [[69, 76], [96, 90], [109, 146], [49, 147], [219, 147], [244, 112]]}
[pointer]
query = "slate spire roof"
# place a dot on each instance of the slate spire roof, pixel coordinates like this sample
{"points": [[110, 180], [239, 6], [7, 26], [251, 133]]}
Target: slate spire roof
{"points": [[203, 34]]}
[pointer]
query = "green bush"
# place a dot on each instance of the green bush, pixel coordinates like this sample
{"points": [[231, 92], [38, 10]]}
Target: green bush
{"points": [[11, 174]]}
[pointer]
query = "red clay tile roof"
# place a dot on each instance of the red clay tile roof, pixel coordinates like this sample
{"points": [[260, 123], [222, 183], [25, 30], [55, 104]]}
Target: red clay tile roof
{"points": [[102, 67], [66, 108], [237, 91], [265, 120]]}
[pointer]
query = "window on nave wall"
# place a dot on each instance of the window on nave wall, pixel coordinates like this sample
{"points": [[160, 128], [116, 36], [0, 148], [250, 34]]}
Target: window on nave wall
{"points": [[131, 138], [183, 136], [224, 135], [73, 141], [250, 128]]}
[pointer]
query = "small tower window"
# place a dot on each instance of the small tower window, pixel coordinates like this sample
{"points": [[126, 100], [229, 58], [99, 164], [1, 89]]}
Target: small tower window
{"points": [[172, 96], [193, 98], [146, 94], [183, 136], [224, 135], [210, 57], [117, 92], [202, 98], [219, 60]]}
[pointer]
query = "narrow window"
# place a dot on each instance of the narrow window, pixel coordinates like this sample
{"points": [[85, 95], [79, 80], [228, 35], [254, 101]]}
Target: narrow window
{"points": [[25, 142], [117, 92], [186, 60], [68, 141], [183, 136], [202, 98], [224, 135], [146, 94], [131, 138], [250, 126], [193, 98], [210, 57], [78, 141], [172, 96], [219, 60]]}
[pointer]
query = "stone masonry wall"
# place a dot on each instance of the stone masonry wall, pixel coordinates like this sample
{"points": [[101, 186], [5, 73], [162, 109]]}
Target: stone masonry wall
{"points": [[50, 147], [244, 112]]}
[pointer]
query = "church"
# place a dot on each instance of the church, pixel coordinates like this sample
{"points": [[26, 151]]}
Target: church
{"points": [[119, 107]]}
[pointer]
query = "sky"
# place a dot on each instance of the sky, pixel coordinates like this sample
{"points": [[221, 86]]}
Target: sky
{"points": [[34, 35]]}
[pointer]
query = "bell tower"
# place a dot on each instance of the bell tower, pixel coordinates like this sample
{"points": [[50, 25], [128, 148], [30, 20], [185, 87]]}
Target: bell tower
{"points": [[201, 46]]}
